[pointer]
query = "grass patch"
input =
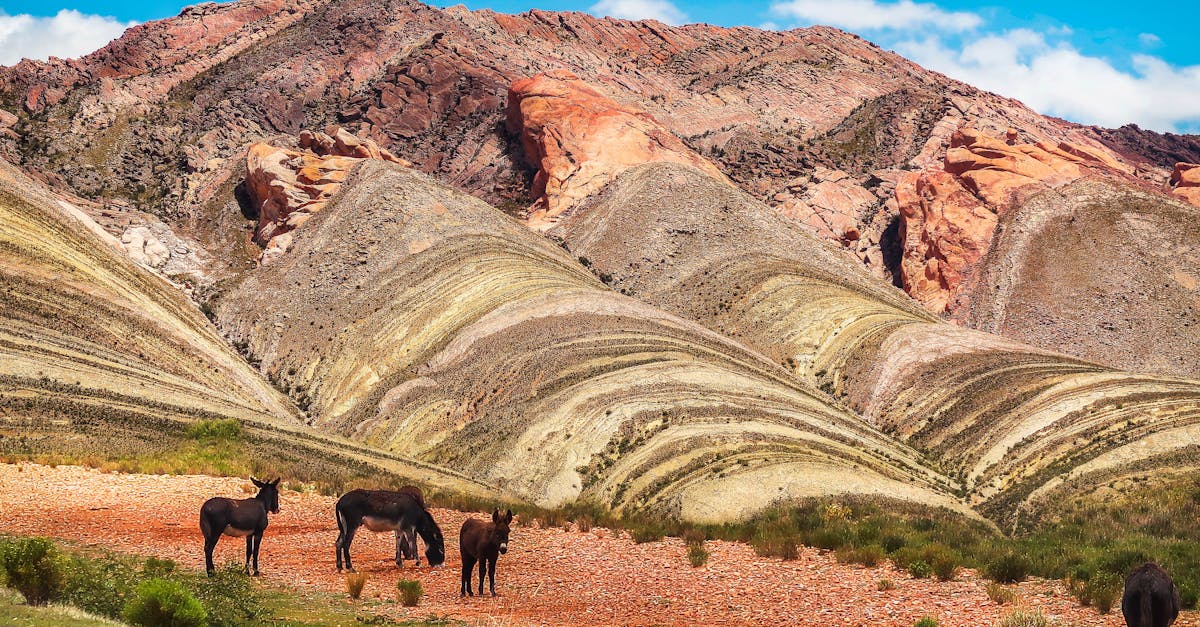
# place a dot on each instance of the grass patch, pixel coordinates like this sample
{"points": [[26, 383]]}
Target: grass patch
{"points": [[102, 586], [410, 592], [355, 582]]}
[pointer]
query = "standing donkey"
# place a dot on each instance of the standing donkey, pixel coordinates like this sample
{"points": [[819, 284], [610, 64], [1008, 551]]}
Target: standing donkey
{"points": [[387, 510], [483, 542], [240, 518], [1151, 598]]}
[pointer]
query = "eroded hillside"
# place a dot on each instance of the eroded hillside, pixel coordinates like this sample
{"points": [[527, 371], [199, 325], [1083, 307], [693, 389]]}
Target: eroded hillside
{"points": [[416, 318], [1017, 424]]}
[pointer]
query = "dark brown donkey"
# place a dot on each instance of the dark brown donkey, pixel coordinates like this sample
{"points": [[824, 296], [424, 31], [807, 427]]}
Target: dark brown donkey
{"points": [[240, 518], [386, 510], [483, 542], [1151, 599]]}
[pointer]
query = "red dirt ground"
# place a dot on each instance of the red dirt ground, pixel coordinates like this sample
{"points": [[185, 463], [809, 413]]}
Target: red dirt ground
{"points": [[549, 576]]}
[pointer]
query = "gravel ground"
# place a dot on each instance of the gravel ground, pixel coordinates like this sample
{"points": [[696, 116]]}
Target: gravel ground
{"points": [[549, 576]]}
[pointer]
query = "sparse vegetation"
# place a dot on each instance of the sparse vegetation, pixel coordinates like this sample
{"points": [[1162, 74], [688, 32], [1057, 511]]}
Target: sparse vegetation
{"points": [[926, 621], [410, 592], [1001, 594], [164, 603], [355, 583], [885, 584], [1023, 617], [697, 555], [34, 567]]}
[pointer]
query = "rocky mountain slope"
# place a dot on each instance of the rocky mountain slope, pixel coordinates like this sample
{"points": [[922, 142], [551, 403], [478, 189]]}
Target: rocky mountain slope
{"points": [[421, 320], [821, 125], [1016, 424]]}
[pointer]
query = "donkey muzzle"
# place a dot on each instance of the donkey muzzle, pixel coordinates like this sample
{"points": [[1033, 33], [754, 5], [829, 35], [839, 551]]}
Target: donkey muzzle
{"points": [[504, 548]]}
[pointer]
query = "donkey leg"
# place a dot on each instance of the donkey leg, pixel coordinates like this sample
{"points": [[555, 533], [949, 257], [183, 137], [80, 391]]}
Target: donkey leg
{"points": [[346, 542], [482, 569], [492, 575], [249, 551], [337, 548], [210, 543], [468, 565], [399, 552], [257, 543]]}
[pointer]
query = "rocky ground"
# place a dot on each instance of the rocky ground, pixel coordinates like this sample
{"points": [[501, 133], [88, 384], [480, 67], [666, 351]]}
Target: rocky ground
{"points": [[551, 576]]}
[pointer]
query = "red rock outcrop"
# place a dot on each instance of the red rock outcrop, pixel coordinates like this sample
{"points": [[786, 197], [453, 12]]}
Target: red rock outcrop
{"points": [[288, 186], [1185, 182], [948, 215], [829, 202], [579, 139]]}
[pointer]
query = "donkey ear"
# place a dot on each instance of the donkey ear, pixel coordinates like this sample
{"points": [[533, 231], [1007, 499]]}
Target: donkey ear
{"points": [[496, 515], [508, 516], [257, 483], [276, 481]]}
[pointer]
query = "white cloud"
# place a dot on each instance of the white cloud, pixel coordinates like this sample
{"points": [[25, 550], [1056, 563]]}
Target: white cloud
{"points": [[661, 10], [872, 15], [1149, 40], [67, 34], [1055, 78]]}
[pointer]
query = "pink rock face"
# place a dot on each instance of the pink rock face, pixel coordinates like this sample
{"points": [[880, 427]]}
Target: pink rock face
{"points": [[579, 140], [948, 216], [288, 186], [1185, 182], [945, 230], [829, 202]]}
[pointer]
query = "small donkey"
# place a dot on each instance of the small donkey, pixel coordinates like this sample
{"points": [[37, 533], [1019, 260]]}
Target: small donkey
{"points": [[483, 542], [240, 518]]}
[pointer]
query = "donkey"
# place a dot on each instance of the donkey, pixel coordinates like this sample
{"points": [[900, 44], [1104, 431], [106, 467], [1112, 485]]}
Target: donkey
{"points": [[406, 539], [1150, 599], [483, 542], [240, 518], [386, 510]]}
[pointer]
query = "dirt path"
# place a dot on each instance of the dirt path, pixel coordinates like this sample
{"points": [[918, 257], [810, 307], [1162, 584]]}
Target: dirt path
{"points": [[550, 576]]}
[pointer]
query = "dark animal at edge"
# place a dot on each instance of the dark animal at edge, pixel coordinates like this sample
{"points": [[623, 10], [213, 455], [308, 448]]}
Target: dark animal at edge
{"points": [[1151, 598], [239, 518], [483, 542], [387, 510]]}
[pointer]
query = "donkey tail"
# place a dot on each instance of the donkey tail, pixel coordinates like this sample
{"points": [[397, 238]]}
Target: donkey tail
{"points": [[1146, 609]]}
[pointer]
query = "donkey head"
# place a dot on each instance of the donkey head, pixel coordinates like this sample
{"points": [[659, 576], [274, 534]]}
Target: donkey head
{"points": [[502, 521], [268, 493], [435, 543]]}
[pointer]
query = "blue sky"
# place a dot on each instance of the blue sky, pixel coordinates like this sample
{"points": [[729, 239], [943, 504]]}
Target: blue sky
{"points": [[1095, 61]]}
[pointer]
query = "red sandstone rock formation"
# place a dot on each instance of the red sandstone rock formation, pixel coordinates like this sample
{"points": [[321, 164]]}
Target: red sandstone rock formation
{"points": [[288, 186], [948, 215], [1185, 182], [579, 139]]}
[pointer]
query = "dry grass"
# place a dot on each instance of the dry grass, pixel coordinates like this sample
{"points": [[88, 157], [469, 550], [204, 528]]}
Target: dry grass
{"points": [[355, 582]]}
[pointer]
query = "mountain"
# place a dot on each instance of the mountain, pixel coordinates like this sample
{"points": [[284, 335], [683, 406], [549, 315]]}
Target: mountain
{"points": [[414, 317], [690, 270]]}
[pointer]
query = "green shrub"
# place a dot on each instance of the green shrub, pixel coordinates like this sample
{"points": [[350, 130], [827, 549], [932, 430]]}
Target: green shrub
{"points": [[885, 584], [164, 603], [943, 560], [35, 568], [224, 429], [101, 585], [410, 592], [926, 621], [1008, 568], [892, 543], [1103, 589], [229, 597], [647, 533], [920, 569], [867, 556], [694, 537], [999, 594], [355, 583], [697, 555], [1022, 617]]}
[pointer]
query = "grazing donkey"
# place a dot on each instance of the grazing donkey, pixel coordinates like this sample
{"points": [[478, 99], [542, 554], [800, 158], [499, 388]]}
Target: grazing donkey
{"points": [[406, 539], [483, 542], [240, 518], [1151, 599], [387, 510]]}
